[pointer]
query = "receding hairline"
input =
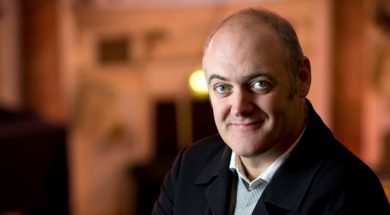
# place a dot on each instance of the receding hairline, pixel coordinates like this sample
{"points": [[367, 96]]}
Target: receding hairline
{"points": [[245, 19]]}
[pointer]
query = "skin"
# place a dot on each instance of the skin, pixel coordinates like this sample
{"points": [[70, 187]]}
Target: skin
{"points": [[250, 92]]}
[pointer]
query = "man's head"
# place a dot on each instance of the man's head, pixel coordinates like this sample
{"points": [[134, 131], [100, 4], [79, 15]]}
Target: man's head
{"points": [[284, 30], [258, 79]]}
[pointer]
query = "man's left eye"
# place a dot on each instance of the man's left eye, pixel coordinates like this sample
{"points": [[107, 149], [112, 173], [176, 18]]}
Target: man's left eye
{"points": [[260, 84]]}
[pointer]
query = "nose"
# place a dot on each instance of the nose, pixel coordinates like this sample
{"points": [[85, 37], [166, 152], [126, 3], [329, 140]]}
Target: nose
{"points": [[242, 104]]}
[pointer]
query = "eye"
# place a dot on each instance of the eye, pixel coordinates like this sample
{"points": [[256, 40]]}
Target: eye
{"points": [[221, 88], [260, 85]]}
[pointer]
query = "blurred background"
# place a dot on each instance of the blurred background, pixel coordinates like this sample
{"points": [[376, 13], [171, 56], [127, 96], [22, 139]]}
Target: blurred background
{"points": [[96, 101]]}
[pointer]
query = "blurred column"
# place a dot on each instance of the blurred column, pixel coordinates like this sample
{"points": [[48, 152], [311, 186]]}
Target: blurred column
{"points": [[42, 85], [10, 97], [349, 64]]}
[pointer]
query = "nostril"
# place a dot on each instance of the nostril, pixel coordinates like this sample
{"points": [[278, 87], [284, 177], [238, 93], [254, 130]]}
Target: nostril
{"points": [[242, 109]]}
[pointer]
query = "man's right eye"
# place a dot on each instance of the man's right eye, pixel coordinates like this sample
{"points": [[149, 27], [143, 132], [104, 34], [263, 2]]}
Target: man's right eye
{"points": [[221, 88]]}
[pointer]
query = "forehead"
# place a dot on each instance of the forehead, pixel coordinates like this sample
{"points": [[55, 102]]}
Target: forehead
{"points": [[245, 48], [244, 27]]}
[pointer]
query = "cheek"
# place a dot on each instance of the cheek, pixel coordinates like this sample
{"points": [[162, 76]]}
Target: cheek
{"points": [[281, 109], [220, 110], [272, 106], [268, 103]]}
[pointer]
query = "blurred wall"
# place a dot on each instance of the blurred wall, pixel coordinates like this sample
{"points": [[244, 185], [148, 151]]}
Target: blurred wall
{"points": [[99, 67]]}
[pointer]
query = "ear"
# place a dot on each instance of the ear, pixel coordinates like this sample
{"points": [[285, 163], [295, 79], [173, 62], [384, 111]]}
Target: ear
{"points": [[304, 78]]}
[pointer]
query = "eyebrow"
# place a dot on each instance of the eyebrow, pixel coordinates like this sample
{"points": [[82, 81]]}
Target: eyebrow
{"points": [[246, 78], [215, 76]]}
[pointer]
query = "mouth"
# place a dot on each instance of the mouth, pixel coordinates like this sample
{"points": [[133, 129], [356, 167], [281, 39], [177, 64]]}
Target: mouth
{"points": [[248, 125]]}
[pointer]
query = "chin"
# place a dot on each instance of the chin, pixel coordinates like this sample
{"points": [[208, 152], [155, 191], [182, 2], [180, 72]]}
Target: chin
{"points": [[245, 148], [246, 154], [250, 148]]}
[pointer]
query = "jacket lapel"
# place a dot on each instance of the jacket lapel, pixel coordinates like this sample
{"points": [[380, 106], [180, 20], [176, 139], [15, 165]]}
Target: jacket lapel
{"points": [[217, 178]]}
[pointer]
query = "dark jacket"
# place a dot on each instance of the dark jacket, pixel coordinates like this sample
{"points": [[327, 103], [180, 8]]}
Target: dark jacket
{"points": [[320, 177]]}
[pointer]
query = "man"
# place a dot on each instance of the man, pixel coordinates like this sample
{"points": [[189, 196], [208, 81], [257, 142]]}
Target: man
{"points": [[273, 154]]}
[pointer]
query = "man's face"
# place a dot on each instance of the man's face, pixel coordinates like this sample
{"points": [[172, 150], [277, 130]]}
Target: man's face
{"points": [[250, 90]]}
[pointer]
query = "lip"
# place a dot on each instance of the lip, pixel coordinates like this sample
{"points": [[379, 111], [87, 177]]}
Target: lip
{"points": [[247, 125]]}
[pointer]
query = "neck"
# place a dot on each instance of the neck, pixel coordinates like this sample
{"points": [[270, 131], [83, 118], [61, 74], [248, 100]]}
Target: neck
{"points": [[254, 168], [256, 165]]}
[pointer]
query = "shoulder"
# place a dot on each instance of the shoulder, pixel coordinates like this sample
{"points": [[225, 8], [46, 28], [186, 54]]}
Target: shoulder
{"points": [[343, 167], [335, 170], [207, 145], [203, 157], [346, 179], [350, 181], [179, 191], [320, 146], [204, 150], [340, 182]]}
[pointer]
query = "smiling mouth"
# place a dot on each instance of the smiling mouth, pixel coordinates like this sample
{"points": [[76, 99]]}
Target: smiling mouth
{"points": [[248, 125]]}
